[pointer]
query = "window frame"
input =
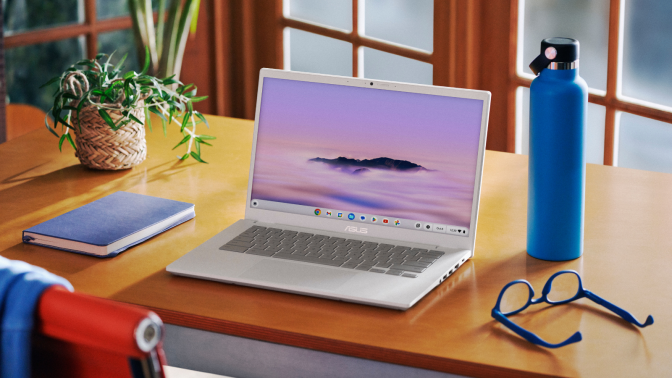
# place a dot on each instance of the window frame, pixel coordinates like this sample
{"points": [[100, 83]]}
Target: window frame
{"points": [[453, 45], [612, 99], [89, 28]]}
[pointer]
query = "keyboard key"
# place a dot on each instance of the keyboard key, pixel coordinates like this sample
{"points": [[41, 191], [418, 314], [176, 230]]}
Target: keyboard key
{"points": [[240, 244], [375, 270], [418, 263], [436, 253], [243, 238], [409, 268], [233, 248], [384, 265], [409, 275], [394, 272], [363, 267]]}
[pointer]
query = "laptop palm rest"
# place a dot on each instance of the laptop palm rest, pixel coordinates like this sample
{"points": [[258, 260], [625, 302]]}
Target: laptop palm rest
{"points": [[294, 274]]}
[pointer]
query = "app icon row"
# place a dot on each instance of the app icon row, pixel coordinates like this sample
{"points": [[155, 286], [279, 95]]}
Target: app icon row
{"points": [[352, 216]]}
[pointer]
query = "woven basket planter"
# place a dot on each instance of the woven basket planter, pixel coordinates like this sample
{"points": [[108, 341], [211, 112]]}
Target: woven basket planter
{"points": [[100, 147]]}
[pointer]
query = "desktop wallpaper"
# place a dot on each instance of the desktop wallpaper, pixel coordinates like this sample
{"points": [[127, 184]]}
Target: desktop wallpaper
{"points": [[364, 150]]}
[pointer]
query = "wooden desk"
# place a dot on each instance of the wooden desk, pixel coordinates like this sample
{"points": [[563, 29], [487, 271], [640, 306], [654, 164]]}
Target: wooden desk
{"points": [[628, 260]]}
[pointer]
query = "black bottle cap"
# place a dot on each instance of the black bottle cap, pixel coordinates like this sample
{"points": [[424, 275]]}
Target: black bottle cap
{"points": [[556, 49]]}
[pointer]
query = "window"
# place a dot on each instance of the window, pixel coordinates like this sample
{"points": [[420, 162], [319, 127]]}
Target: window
{"points": [[376, 39], [43, 38], [624, 44]]}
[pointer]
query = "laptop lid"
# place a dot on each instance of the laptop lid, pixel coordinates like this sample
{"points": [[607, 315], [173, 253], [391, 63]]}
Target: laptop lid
{"points": [[374, 158]]}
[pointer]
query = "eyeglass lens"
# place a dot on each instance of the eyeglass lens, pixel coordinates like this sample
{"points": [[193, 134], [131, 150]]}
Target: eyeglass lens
{"points": [[564, 287], [514, 298]]}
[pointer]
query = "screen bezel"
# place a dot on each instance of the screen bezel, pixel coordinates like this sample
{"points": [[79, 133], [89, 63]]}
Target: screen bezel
{"points": [[373, 230]]}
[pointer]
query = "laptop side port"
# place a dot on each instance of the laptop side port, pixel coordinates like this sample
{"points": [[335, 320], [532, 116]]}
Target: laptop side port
{"points": [[457, 265]]}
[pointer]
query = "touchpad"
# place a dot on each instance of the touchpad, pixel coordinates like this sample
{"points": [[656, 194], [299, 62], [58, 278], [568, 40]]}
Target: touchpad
{"points": [[287, 273]]}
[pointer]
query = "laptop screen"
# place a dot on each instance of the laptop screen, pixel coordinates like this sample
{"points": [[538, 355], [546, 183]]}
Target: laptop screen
{"points": [[367, 155]]}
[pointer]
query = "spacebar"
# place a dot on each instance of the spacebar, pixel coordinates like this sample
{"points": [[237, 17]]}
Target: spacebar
{"points": [[314, 260]]}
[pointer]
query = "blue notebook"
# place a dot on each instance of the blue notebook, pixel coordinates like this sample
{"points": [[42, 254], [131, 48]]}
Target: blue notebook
{"points": [[110, 225]]}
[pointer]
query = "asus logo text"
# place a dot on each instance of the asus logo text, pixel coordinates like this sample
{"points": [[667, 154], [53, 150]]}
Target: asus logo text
{"points": [[355, 229]]}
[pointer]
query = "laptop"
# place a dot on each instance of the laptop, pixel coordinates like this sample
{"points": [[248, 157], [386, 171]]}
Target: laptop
{"points": [[360, 190]]}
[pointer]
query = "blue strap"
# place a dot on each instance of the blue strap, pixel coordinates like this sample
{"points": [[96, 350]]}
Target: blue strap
{"points": [[21, 286]]}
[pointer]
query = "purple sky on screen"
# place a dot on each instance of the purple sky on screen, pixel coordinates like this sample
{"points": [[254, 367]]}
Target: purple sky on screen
{"points": [[299, 121]]}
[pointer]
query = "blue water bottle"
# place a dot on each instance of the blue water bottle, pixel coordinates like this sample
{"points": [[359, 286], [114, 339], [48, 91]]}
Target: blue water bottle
{"points": [[557, 169]]}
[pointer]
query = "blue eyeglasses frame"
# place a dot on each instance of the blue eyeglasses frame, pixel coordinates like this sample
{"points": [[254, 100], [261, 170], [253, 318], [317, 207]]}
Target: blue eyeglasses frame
{"points": [[502, 317]]}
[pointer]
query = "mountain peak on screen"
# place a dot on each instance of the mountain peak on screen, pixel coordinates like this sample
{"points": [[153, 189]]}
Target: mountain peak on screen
{"points": [[377, 163]]}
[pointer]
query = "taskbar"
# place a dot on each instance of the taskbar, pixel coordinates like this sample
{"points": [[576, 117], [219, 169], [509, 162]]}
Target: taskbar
{"points": [[359, 217]]}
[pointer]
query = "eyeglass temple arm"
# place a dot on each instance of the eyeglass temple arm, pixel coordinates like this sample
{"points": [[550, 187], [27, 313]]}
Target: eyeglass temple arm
{"points": [[531, 337], [618, 311]]}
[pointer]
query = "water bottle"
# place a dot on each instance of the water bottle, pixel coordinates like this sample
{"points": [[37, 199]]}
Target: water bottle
{"points": [[557, 169]]}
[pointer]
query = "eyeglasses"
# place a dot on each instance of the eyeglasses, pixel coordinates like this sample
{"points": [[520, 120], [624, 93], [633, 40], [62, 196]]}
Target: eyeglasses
{"points": [[514, 304]]}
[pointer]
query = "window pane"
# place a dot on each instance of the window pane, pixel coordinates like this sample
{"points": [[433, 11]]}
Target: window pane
{"points": [[117, 8], [28, 67], [594, 143], [111, 8], [120, 42], [24, 15], [644, 143], [647, 51], [407, 22], [586, 21], [335, 13], [384, 66], [314, 53]]}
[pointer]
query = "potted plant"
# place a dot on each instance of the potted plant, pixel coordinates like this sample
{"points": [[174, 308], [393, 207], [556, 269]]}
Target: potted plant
{"points": [[107, 112]]}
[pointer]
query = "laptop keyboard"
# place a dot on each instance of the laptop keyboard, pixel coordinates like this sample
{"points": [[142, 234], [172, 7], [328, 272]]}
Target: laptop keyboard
{"points": [[333, 251]]}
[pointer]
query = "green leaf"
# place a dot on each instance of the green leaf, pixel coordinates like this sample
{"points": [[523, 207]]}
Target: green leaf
{"points": [[70, 96], [128, 75], [154, 110], [202, 118], [148, 119], [165, 129], [106, 117], [169, 82], [184, 157], [194, 17], [197, 99], [134, 118], [51, 81], [183, 141], [97, 92], [100, 55], [72, 143], [46, 123], [207, 137], [184, 88], [145, 68], [198, 147], [64, 122], [84, 62], [198, 157], [119, 65], [185, 121], [60, 142]]}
